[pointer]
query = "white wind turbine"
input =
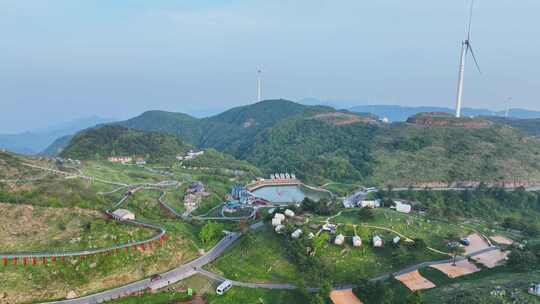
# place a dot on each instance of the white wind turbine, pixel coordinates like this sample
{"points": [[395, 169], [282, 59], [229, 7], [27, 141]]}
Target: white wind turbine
{"points": [[465, 48], [259, 97]]}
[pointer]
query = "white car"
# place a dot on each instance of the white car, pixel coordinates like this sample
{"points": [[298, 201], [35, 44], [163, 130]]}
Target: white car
{"points": [[223, 287]]}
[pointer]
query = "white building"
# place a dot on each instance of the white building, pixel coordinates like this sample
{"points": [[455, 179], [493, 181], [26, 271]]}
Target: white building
{"points": [[402, 207], [289, 213], [340, 239], [370, 204], [279, 216], [123, 214], [120, 159], [296, 234], [377, 241], [356, 241], [276, 222], [396, 239], [279, 228], [329, 227]]}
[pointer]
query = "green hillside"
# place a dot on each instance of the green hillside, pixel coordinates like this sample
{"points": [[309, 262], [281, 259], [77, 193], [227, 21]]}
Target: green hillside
{"points": [[323, 145], [407, 154], [57, 146], [399, 154], [528, 126], [113, 140], [231, 131]]}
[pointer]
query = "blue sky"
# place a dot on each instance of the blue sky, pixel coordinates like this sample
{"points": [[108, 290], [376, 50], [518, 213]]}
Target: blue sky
{"points": [[64, 59]]}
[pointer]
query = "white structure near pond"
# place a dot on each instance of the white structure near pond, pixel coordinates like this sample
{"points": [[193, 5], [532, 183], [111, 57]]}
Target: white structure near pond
{"points": [[279, 216], [340, 239], [296, 234], [396, 239], [289, 213], [356, 241], [377, 241], [370, 204]]}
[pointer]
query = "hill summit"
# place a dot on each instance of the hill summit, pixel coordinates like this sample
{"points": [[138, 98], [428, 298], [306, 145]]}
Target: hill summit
{"points": [[447, 120], [114, 140]]}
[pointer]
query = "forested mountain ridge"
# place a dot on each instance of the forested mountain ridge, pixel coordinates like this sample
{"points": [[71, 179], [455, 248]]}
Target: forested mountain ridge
{"points": [[321, 144], [114, 140], [229, 131]]}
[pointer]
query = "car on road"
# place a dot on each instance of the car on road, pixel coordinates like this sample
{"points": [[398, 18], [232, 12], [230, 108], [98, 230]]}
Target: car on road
{"points": [[223, 287], [155, 277]]}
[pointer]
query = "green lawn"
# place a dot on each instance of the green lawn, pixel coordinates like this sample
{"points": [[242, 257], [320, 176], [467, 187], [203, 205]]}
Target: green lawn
{"points": [[257, 259], [238, 295], [412, 225]]}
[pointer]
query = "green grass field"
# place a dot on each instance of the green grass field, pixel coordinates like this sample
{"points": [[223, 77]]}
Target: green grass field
{"points": [[262, 260]]}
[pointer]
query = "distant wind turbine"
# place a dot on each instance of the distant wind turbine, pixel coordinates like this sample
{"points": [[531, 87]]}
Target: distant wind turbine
{"points": [[465, 48], [259, 98], [508, 103]]}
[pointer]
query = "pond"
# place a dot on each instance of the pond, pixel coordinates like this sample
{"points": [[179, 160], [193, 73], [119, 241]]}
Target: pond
{"points": [[289, 194]]}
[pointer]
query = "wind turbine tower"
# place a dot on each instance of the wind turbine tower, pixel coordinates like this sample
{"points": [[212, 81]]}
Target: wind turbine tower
{"points": [[259, 98], [508, 103], [465, 48]]}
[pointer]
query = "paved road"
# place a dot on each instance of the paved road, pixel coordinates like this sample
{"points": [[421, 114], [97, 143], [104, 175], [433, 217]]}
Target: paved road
{"points": [[169, 277]]}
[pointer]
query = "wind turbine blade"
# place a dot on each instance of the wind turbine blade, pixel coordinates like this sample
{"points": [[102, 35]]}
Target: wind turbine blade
{"points": [[470, 20], [469, 47]]}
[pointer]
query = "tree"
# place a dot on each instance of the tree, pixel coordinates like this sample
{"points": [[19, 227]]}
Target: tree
{"points": [[319, 241], [210, 231], [414, 298], [366, 214], [522, 259], [455, 250]]}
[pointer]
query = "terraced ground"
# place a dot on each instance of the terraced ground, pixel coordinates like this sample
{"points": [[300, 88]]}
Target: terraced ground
{"points": [[66, 214], [34, 229]]}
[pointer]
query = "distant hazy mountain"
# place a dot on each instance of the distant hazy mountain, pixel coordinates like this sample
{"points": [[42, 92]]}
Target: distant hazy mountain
{"points": [[401, 113], [35, 141]]}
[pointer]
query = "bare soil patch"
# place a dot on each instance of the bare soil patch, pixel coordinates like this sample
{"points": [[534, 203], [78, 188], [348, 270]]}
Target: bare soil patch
{"points": [[344, 297], [414, 281], [477, 243], [502, 240], [341, 119], [492, 259], [462, 268]]}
